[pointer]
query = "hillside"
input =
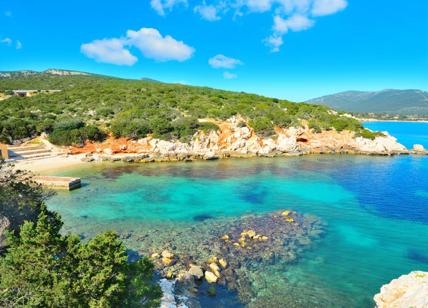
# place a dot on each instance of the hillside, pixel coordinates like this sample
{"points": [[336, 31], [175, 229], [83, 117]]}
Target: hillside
{"points": [[409, 102], [89, 106]]}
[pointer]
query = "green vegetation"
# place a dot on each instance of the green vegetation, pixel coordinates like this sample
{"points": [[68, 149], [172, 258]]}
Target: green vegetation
{"points": [[42, 268], [135, 108], [75, 132]]}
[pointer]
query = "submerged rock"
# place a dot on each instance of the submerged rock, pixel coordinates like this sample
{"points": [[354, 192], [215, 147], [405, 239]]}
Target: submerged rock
{"points": [[407, 291], [210, 277], [196, 271], [224, 251]]}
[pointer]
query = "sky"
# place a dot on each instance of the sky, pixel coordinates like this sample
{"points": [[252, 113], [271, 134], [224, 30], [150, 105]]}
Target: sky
{"points": [[291, 49]]}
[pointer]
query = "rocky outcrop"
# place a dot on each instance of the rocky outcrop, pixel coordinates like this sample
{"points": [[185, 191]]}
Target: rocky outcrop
{"points": [[235, 138], [418, 148], [407, 291]]}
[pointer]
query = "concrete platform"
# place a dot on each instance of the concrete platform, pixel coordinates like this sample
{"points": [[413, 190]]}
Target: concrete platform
{"points": [[58, 182]]}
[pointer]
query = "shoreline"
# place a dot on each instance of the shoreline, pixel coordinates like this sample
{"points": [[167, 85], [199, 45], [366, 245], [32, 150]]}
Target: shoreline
{"points": [[404, 121], [49, 166]]}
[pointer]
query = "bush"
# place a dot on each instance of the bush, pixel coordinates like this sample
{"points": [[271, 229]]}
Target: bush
{"points": [[262, 126], [368, 134], [75, 133]]}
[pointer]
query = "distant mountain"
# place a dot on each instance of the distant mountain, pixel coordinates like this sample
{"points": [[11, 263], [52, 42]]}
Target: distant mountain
{"points": [[51, 72], [414, 102]]}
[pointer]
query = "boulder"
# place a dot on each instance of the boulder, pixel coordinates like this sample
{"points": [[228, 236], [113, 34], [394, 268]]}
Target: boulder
{"points": [[210, 277], [167, 261], [223, 263], [418, 148], [407, 291], [215, 269], [167, 254], [196, 271]]}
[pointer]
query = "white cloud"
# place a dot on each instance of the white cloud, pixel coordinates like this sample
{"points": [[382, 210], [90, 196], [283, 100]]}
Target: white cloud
{"points": [[221, 61], [148, 40], [111, 51], [161, 48], [257, 5], [229, 75], [160, 6], [18, 44], [274, 41], [294, 23], [289, 15], [7, 40], [207, 12], [327, 7]]}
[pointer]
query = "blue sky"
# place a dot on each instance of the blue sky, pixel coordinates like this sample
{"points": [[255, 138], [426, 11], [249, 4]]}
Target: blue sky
{"points": [[294, 49]]}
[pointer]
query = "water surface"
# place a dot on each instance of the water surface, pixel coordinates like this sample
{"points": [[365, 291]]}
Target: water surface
{"points": [[376, 209], [407, 133]]}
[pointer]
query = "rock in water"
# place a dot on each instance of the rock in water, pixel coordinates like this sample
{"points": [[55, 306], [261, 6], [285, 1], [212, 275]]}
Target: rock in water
{"points": [[407, 291], [196, 271], [210, 277], [418, 148]]}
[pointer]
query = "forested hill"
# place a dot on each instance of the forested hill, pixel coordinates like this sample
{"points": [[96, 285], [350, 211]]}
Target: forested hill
{"points": [[135, 108], [410, 102]]}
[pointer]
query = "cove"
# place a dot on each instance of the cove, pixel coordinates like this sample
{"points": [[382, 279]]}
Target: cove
{"points": [[375, 211]]}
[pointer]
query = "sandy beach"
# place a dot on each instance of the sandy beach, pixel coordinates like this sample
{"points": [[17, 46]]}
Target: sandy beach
{"points": [[50, 164]]}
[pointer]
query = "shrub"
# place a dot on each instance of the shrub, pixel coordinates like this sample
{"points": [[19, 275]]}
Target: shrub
{"points": [[368, 134], [75, 133]]}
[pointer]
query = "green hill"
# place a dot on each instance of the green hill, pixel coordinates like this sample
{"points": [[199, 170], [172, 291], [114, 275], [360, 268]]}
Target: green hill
{"points": [[404, 102], [135, 108]]}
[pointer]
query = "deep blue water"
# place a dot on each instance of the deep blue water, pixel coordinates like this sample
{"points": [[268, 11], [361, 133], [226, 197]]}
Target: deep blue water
{"points": [[407, 133]]}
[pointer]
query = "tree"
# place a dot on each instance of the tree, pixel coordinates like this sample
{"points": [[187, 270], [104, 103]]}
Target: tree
{"points": [[43, 268]]}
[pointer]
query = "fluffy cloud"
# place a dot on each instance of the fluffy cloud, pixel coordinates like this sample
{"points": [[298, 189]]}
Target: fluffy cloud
{"points": [[294, 23], [221, 61], [327, 7], [229, 75], [148, 40], [111, 51], [289, 15], [207, 12], [154, 46], [160, 6]]}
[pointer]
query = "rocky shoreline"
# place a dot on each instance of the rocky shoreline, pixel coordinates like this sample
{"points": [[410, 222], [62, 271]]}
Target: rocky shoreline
{"points": [[235, 139], [406, 291]]}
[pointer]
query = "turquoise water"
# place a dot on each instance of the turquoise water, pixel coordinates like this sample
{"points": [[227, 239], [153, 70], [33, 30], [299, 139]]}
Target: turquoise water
{"points": [[376, 209], [407, 133]]}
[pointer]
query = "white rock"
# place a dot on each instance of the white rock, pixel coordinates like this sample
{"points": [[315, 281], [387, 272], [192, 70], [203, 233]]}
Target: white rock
{"points": [[108, 151], [418, 148], [380, 144], [407, 291], [210, 277]]}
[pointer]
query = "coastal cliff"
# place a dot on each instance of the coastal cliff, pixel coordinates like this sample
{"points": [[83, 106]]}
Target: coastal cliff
{"points": [[236, 139]]}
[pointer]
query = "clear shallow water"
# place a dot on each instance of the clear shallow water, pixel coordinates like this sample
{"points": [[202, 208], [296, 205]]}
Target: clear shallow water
{"points": [[376, 209], [407, 133]]}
